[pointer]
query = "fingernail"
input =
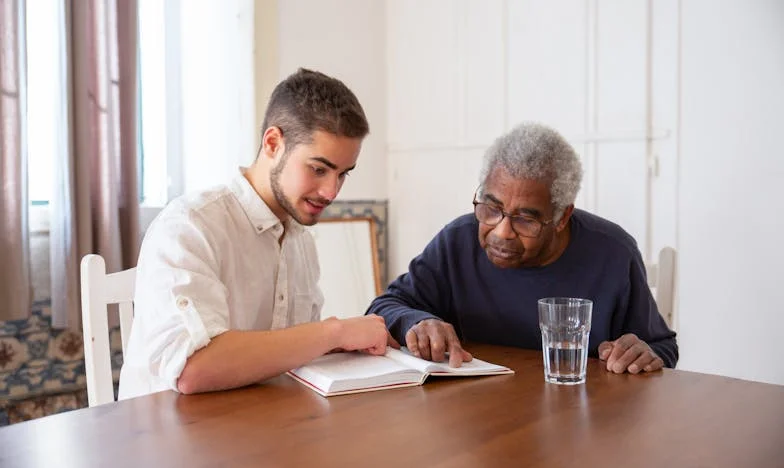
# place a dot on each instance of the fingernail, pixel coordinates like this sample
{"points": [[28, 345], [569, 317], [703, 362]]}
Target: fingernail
{"points": [[648, 368], [633, 368], [617, 368]]}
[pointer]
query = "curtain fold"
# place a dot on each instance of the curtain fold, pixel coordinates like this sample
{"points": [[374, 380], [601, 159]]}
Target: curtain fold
{"points": [[15, 286], [95, 208]]}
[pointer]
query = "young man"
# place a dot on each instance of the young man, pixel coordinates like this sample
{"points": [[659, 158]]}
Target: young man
{"points": [[480, 277], [226, 283]]}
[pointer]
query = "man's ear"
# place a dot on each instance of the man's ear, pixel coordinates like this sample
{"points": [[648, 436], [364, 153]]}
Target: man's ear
{"points": [[272, 143], [564, 221]]}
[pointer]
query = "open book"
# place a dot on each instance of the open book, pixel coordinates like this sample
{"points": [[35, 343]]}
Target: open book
{"points": [[343, 373]]}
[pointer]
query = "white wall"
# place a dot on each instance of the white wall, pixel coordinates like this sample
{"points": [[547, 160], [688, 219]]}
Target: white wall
{"points": [[344, 39], [462, 73], [732, 168], [217, 79]]}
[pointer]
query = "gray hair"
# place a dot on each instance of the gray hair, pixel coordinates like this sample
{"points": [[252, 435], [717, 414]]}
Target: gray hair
{"points": [[534, 151]]}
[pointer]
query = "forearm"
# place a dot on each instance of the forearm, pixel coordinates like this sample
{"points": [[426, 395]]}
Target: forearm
{"points": [[238, 358]]}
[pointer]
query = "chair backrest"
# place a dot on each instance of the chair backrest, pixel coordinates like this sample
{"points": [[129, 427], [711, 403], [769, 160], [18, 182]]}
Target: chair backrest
{"points": [[661, 280], [98, 291]]}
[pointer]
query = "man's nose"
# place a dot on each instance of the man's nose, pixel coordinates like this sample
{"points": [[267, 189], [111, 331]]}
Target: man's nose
{"points": [[504, 229], [330, 188]]}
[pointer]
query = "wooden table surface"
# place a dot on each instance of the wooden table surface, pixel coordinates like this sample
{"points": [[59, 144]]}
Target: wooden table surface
{"points": [[669, 418]]}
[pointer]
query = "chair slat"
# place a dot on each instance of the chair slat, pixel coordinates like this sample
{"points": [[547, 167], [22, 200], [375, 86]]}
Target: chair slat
{"points": [[99, 290]]}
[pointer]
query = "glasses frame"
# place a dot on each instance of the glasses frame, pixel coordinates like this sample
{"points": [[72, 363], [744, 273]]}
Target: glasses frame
{"points": [[511, 217]]}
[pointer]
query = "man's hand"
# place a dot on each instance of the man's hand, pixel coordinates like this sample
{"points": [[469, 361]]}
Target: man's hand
{"points": [[629, 353], [367, 333], [431, 339]]}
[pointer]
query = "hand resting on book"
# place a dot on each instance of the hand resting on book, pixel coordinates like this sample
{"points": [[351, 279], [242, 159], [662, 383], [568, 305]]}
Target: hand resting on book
{"points": [[358, 337]]}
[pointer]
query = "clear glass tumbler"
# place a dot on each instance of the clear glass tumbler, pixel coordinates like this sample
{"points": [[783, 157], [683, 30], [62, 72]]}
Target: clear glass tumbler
{"points": [[566, 324]]}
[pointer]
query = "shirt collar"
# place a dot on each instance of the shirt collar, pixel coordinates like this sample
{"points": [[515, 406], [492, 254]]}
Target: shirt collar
{"points": [[257, 211]]}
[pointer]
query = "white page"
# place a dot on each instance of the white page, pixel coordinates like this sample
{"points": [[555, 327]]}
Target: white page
{"points": [[354, 366], [473, 367]]}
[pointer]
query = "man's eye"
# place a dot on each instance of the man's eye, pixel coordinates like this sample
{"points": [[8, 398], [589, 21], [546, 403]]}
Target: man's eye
{"points": [[319, 171], [524, 220]]}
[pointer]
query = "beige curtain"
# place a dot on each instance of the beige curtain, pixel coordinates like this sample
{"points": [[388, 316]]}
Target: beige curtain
{"points": [[95, 208], [15, 290]]}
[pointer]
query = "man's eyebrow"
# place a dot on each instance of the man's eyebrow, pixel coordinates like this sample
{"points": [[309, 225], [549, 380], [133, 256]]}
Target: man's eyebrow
{"points": [[325, 162], [329, 163], [493, 199], [530, 211], [526, 211]]}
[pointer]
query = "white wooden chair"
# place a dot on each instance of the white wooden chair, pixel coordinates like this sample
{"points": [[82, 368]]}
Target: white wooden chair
{"points": [[661, 280], [98, 291]]}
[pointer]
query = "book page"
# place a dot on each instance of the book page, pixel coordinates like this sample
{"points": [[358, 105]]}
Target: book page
{"points": [[354, 371], [473, 367], [354, 366]]}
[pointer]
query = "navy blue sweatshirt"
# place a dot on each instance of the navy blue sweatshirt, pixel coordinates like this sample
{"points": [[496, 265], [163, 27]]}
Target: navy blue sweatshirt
{"points": [[453, 280]]}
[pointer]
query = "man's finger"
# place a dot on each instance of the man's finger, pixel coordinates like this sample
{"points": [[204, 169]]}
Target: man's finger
{"points": [[439, 336], [605, 348], [377, 350], [641, 362], [412, 343], [423, 341], [456, 352], [655, 365], [622, 363], [619, 348]]}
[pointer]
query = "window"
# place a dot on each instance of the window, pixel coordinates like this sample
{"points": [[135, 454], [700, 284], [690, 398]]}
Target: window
{"points": [[154, 111], [197, 100], [46, 95], [195, 95]]}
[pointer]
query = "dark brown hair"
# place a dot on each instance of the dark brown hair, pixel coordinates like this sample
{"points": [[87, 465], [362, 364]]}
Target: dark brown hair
{"points": [[307, 101]]}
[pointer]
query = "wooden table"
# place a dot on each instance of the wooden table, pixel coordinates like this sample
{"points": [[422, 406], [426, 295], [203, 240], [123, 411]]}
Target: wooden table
{"points": [[669, 418]]}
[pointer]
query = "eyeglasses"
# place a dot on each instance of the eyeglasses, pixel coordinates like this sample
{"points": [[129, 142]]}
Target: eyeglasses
{"points": [[524, 226]]}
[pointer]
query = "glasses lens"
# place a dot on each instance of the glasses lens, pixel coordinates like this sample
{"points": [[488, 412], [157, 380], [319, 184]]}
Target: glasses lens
{"points": [[487, 214], [526, 227]]}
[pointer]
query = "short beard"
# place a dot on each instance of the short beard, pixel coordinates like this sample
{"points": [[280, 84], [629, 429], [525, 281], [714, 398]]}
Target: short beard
{"points": [[281, 198]]}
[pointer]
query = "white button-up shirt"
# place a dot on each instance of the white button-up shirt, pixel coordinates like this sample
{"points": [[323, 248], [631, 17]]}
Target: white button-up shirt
{"points": [[211, 262]]}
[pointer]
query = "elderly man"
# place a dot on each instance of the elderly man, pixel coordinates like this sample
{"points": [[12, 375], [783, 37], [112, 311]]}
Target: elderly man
{"points": [[480, 278]]}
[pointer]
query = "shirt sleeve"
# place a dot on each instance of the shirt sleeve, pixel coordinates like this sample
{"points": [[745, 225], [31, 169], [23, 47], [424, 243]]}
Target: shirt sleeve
{"points": [[642, 316], [420, 294], [180, 302]]}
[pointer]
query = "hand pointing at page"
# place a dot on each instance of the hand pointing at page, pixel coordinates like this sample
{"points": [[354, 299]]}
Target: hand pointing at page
{"points": [[431, 339]]}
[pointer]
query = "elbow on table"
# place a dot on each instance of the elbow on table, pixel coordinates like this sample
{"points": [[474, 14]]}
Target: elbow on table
{"points": [[190, 380]]}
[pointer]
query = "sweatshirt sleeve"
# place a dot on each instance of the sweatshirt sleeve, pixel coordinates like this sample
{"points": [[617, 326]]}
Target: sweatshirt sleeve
{"points": [[421, 293], [643, 317]]}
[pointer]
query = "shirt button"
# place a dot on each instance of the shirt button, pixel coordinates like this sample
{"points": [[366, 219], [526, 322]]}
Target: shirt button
{"points": [[183, 302], [281, 297]]}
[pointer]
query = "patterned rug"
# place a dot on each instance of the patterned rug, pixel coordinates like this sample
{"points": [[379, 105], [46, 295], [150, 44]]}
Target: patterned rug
{"points": [[41, 369]]}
